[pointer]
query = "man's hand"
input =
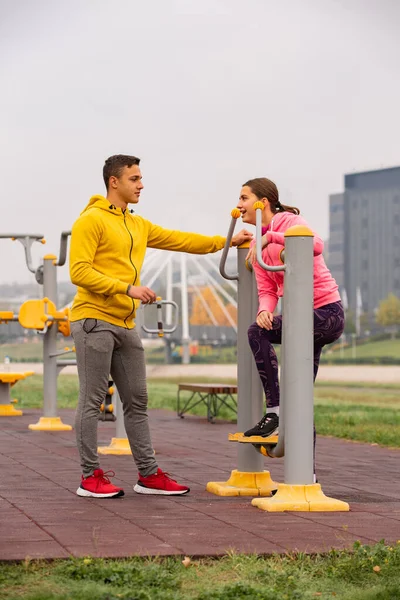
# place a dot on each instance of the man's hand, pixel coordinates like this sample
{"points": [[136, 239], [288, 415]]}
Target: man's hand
{"points": [[142, 293], [264, 319], [241, 237], [252, 253]]}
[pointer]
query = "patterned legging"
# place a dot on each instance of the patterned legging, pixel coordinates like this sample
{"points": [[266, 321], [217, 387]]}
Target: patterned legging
{"points": [[328, 327]]}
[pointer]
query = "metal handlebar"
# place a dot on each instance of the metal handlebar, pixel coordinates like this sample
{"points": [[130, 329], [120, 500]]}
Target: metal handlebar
{"points": [[63, 248], [26, 240], [259, 207], [17, 236], [160, 329], [235, 215]]}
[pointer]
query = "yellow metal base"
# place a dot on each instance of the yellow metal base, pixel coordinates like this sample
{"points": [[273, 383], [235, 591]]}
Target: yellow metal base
{"points": [[117, 446], [50, 424], [244, 484], [7, 410], [305, 498]]}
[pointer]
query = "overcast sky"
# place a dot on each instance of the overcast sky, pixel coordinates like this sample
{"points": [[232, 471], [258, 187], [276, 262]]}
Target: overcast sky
{"points": [[209, 93]]}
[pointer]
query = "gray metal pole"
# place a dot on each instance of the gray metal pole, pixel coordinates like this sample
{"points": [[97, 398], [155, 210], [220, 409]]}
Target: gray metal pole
{"points": [[120, 431], [168, 312], [185, 312], [63, 248], [50, 421], [120, 443], [250, 398], [299, 492], [169, 294], [298, 324], [5, 397], [7, 408], [50, 340]]}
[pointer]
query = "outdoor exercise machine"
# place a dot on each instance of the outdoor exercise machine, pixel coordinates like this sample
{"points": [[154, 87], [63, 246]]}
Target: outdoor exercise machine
{"points": [[7, 380], [298, 492], [250, 478], [120, 443], [43, 316]]}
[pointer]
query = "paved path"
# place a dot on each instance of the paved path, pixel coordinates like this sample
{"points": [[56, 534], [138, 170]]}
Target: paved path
{"points": [[41, 517], [346, 373]]}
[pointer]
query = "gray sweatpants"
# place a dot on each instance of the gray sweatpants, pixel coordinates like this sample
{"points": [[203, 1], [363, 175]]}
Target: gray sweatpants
{"points": [[103, 349]]}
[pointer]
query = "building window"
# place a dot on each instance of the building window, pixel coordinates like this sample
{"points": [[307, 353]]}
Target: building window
{"points": [[365, 264]]}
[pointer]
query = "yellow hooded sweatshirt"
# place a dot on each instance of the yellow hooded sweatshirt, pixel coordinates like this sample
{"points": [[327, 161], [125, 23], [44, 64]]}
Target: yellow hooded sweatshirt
{"points": [[108, 246]]}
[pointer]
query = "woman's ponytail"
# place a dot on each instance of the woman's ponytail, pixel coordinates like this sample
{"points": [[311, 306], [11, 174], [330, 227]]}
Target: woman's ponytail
{"points": [[265, 188]]}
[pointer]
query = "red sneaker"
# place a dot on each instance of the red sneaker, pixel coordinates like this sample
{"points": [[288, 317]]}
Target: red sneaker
{"points": [[160, 483], [98, 485]]}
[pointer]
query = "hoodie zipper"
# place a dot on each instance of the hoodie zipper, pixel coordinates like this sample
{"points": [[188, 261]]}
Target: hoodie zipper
{"points": [[134, 281]]}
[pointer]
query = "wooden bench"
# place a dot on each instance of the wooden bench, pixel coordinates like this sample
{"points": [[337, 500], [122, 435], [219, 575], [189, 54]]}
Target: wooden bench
{"points": [[212, 395]]}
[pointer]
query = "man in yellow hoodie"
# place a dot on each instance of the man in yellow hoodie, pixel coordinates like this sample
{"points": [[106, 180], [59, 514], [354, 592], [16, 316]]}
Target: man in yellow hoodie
{"points": [[108, 245]]}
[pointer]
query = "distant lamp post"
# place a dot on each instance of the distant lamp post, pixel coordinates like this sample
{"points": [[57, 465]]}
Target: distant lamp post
{"points": [[354, 346], [342, 344]]}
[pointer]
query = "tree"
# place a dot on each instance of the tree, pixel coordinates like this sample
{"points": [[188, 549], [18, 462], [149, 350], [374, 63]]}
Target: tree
{"points": [[388, 314]]}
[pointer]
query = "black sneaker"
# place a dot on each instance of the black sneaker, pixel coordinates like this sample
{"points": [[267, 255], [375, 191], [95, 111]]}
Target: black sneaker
{"points": [[266, 427]]}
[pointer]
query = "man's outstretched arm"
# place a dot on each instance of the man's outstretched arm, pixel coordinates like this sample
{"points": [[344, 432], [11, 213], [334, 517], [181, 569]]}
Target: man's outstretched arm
{"points": [[194, 243]]}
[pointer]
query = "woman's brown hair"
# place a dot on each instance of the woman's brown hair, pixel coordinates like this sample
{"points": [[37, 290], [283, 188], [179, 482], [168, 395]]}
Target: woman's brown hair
{"points": [[265, 188]]}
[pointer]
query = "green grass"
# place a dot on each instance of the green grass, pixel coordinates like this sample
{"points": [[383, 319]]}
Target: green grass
{"points": [[365, 350], [29, 351], [355, 411], [17, 352], [359, 423], [33, 351], [205, 355], [29, 392], [366, 573], [362, 414]]}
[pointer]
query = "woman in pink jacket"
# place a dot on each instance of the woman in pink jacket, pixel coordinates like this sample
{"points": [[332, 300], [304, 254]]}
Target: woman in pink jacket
{"points": [[267, 330]]}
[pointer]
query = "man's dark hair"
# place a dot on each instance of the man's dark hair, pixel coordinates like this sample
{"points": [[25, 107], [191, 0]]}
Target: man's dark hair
{"points": [[114, 165]]}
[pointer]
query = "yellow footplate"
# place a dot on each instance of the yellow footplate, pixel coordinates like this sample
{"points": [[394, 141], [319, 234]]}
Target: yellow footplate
{"points": [[260, 443], [253, 439]]}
